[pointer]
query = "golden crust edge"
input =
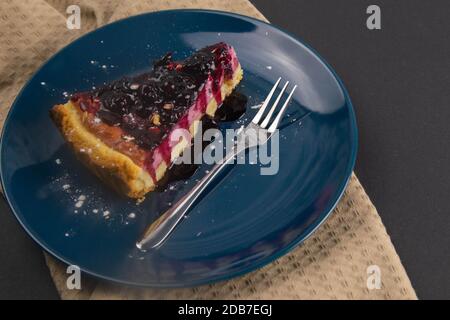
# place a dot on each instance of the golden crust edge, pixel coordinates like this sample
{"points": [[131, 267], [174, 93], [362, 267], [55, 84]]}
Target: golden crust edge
{"points": [[112, 167]]}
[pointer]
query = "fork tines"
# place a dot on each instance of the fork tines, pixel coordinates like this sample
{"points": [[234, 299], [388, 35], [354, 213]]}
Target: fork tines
{"points": [[256, 120]]}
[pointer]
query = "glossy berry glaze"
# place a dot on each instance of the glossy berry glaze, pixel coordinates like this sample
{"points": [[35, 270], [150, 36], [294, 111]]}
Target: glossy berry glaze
{"points": [[150, 106]]}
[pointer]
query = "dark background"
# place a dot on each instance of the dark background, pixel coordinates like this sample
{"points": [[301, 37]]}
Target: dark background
{"points": [[399, 81]]}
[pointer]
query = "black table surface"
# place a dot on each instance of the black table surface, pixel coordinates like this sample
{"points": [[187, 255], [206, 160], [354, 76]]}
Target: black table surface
{"points": [[399, 81]]}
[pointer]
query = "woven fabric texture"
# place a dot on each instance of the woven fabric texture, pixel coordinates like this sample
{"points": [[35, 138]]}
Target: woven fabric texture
{"points": [[331, 264]]}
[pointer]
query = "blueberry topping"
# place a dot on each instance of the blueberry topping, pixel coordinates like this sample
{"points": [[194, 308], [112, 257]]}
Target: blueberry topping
{"points": [[148, 105]]}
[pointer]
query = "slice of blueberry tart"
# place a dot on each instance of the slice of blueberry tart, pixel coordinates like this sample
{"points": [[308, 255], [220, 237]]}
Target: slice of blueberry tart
{"points": [[126, 131]]}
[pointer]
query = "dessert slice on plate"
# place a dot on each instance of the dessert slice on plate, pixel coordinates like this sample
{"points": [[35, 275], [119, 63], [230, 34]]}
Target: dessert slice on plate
{"points": [[126, 132]]}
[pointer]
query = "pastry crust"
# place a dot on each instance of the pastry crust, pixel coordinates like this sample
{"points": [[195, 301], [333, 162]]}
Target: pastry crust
{"points": [[112, 167]]}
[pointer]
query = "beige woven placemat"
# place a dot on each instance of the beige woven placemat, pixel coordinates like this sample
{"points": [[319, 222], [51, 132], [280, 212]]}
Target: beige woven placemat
{"points": [[332, 264]]}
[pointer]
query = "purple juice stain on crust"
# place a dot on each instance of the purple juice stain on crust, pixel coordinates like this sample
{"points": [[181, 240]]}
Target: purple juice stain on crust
{"points": [[234, 106]]}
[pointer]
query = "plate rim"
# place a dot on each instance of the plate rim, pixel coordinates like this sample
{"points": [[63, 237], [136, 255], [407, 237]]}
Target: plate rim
{"points": [[252, 267]]}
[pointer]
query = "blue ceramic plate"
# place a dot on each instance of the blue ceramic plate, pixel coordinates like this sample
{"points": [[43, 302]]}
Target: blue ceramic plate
{"points": [[245, 222]]}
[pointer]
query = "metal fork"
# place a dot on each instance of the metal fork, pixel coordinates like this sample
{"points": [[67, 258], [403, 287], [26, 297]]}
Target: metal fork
{"points": [[254, 134]]}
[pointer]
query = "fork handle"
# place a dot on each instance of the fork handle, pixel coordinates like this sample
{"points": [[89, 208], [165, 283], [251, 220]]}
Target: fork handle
{"points": [[161, 228]]}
